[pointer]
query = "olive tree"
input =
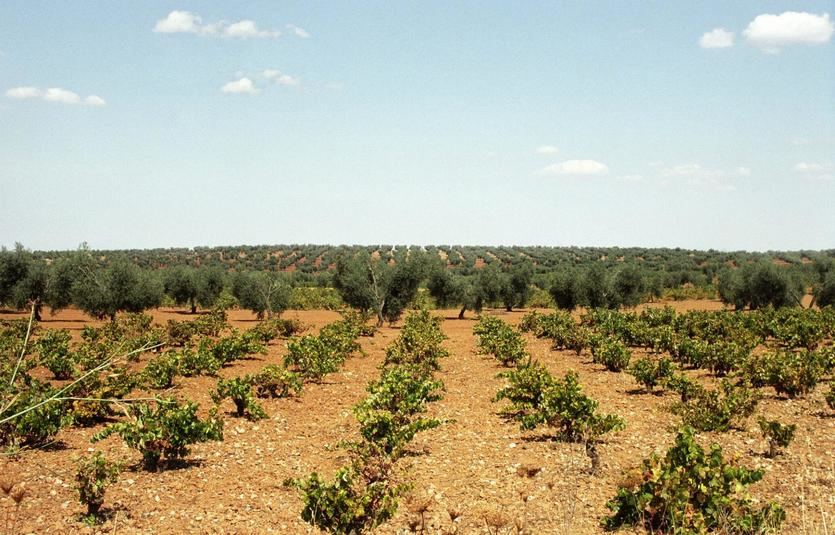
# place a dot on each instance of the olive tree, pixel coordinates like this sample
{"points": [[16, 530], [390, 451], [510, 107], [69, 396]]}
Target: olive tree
{"points": [[566, 290], [629, 285], [104, 291], [26, 282], [263, 292], [450, 290], [759, 285], [371, 284], [193, 286]]}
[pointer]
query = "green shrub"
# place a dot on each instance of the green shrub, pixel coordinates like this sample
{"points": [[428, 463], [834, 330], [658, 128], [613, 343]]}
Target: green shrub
{"points": [[725, 357], [164, 430], [650, 373], [93, 475], [419, 343], [537, 399], [161, 370], [53, 348], [683, 386], [718, 410], [693, 491], [795, 373], [36, 427], [358, 499], [389, 416], [197, 361], [312, 357], [276, 382], [497, 338], [239, 390], [779, 435], [268, 330], [611, 353]]}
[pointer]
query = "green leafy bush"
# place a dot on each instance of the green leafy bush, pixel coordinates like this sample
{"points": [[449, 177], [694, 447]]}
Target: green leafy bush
{"points": [[779, 435], [314, 356], [164, 429], [693, 491], [161, 370], [276, 382], [497, 338], [725, 357], [794, 373], [718, 410], [268, 330], [93, 475], [389, 416], [36, 427], [650, 373], [53, 348], [537, 399], [239, 390], [419, 343], [611, 353], [359, 498], [197, 361]]}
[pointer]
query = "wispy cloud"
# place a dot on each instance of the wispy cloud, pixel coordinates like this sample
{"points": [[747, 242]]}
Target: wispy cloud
{"points": [[280, 78], [547, 149], [816, 170], [695, 175], [717, 38], [188, 22], [576, 168], [54, 94], [242, 86], [298, 31]]}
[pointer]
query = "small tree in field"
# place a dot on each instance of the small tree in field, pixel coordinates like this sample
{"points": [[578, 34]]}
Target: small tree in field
{"points": [[120, 287], [193, 287], [374, 285], [517, 286], [566, 290], [760, 285], [598, 291], [264, 293], [450, 290], [630, 286]]}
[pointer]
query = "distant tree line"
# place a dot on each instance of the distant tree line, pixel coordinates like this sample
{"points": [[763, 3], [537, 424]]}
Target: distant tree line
{"points": [[384, 285]]}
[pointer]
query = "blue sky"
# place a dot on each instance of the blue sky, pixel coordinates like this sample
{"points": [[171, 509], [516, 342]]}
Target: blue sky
{"points": [[159, 123]]}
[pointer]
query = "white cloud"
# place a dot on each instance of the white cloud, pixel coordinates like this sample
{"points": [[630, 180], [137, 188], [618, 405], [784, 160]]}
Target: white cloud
{"points": [[298, 32], [772, 32], [56, 94], [695, 175], [247, 28], [180, 22], [24, 92], [241, 86], [811, 167], [95, 100], [577, 168], [188, 22], [547, 149], [717, 38], [280, 78]]}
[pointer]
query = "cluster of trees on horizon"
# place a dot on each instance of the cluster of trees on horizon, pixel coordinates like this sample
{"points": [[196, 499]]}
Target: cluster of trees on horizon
{"points": [[384, 282]]}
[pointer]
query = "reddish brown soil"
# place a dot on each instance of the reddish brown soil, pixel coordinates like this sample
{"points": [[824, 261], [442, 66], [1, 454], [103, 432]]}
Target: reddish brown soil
{"points": [[471, 463]]}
